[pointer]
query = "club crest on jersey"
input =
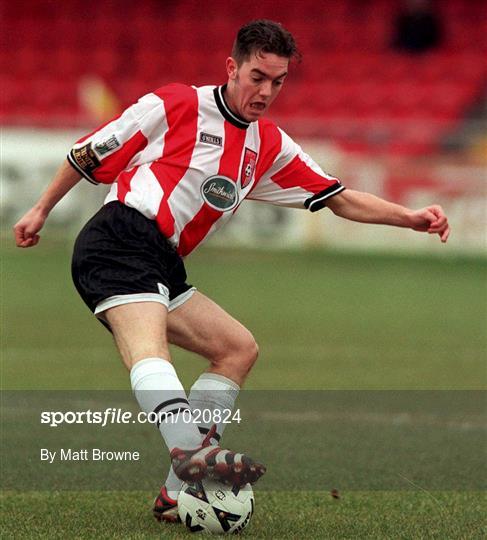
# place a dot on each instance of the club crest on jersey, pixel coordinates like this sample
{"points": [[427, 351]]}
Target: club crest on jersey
{"points": [[220, 193], [248, 167]]}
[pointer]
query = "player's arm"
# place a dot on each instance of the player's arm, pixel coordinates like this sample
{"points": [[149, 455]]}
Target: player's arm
{"points": [[27, 228], [98, 157], [367, 208]]}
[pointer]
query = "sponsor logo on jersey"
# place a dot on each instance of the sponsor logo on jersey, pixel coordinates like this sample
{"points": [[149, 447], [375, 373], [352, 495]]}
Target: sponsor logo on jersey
{"points": [[103, 147], [85, 158], [248, 167], [220, 193], [210, 139]]}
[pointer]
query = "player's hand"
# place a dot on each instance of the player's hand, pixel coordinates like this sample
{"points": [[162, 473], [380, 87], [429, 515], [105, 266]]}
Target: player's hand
{"points": [[432, 220], [27, 228]]}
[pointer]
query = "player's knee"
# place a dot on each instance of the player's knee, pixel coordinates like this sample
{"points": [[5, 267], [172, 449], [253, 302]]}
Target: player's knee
{"points": [[240, 352], [249, 352]]}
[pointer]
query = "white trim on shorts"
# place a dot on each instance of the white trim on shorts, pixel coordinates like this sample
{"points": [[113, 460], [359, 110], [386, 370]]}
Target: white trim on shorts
{"points": [[181, 299], [122, 299]]}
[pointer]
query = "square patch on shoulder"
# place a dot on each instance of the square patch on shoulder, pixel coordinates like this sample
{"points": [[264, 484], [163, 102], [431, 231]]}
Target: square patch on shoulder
{"points": [[85, 158]]}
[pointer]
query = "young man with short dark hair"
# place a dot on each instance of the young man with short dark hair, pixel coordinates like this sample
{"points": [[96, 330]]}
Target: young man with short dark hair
{"points": [[180, 161]]}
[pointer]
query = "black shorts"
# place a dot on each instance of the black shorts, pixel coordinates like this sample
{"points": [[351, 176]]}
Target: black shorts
{"points": [[120, 257]]}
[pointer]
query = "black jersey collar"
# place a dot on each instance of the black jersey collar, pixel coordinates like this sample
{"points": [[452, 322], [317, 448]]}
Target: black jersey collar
{"points": [[231, 117]]}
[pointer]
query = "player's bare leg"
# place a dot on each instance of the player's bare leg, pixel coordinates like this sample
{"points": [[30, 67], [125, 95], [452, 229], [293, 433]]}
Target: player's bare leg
{"points": [[203, 327], [139, 330]]}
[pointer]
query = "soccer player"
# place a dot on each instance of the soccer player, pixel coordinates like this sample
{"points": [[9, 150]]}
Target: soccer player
{"points": [[180, 161]]}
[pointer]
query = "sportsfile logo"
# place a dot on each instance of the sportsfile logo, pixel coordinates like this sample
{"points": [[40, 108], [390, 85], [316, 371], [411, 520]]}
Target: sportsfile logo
{"points": [[115, 415]]}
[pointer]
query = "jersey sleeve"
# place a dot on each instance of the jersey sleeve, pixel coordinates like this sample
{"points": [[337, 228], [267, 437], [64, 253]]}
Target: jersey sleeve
{"points": [[122, 143], [293, 179]]}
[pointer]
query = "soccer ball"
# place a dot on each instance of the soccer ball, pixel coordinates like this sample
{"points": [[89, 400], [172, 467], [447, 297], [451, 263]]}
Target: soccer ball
{"points": [[215, 508]]}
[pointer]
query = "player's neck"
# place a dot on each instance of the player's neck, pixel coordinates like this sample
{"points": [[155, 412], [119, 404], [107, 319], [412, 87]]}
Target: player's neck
{"points": [[228, 97]]}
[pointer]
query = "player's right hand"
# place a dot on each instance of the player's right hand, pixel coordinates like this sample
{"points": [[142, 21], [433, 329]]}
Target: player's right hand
{"points": [[27, 228]]}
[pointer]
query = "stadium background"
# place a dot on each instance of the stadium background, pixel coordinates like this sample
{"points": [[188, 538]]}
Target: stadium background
{"points": [[410, 127]]}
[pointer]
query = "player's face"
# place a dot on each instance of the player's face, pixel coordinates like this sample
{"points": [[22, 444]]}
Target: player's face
{"points": [[254, 85]]}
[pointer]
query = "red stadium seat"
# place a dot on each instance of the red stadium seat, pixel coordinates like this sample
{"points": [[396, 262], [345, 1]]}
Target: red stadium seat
{"points": [[349, 85]]}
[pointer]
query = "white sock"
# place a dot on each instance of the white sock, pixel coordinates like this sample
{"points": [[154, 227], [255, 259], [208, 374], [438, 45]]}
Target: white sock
{"points": [[158, 390], [216, 394], [210, 393]]}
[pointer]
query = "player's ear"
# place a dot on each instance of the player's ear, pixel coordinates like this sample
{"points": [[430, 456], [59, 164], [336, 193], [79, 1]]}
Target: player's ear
{"points": [[231, 68]]}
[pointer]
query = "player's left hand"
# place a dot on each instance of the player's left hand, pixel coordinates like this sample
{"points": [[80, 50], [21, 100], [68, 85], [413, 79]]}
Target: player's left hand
{"points": [[432, 220]]}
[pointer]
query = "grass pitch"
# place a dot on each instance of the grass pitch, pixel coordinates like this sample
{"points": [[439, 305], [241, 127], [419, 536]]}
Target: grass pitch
{"points": [[299, 515], [324, 321]]}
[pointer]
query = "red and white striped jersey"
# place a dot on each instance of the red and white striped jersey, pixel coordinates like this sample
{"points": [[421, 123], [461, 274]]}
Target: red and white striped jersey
{"points": [[182, 158]]}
